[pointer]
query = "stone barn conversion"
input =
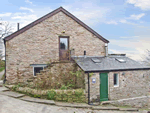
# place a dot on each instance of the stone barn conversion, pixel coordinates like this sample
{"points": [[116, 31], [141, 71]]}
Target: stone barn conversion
{"points": [[61, 36]]}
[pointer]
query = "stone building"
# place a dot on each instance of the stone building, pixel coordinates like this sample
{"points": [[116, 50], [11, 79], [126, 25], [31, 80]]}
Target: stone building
{"points": [[61, 36]]}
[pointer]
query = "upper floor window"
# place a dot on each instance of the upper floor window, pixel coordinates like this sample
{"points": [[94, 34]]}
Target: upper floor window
{"points": [[116, 80], [64, 43]]}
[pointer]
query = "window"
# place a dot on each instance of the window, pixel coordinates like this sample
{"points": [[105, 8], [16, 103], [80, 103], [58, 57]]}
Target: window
{"points": [[37, 70], [121, 60], [116, 80], [64, 43], [96, 60]]}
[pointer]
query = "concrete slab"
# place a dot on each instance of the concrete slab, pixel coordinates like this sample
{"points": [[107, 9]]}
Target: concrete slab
{"points": [[36, 100], [104, 108], [128, 109], [3, 89], [74, 105], [12, 94]]}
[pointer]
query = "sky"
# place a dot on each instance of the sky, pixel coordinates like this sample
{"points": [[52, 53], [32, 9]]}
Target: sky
{"points": [[125, 23]]}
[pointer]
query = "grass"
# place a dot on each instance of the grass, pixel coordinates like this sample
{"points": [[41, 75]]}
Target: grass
{"points": [[1, 69]]}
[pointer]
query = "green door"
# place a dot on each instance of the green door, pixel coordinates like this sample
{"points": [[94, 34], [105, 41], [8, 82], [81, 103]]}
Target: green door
{"points": [[103, 86]]}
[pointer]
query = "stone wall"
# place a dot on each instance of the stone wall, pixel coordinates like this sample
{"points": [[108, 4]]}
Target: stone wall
{"points": [[40, 43], [94, 87], [131, 84], [138, 102]]}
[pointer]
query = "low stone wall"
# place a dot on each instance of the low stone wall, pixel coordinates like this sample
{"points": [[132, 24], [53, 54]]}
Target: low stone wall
{"points": [[138, 102], [72, 95]]}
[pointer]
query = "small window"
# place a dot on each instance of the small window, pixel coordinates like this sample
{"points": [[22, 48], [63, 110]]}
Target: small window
{"points": [[96, 60], [121, 60], [116, 80], [37, 70], [64, 43]]}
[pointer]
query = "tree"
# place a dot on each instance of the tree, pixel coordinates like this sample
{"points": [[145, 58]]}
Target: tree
{"points": [[5, 29]]}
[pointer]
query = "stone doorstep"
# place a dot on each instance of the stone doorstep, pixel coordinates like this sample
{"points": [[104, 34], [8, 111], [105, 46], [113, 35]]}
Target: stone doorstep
{"points": [[128, 109], [12, 94], [105, 102], [36, 100], [104, 108], [74, 105], [2, 89]]}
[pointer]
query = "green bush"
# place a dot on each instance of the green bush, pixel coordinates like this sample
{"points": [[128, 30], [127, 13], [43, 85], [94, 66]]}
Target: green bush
{"points": [[2, 68], [51, 94], [78, 92], [63, 87], [2, 63]]}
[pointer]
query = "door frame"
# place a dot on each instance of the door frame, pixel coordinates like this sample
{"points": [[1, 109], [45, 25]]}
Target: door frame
{"points": [[107, 85], [59, 43]]}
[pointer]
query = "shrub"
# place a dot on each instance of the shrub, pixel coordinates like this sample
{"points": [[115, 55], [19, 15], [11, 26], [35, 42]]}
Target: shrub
{"points": [[63, 87], [51, 94], [2, 63]]}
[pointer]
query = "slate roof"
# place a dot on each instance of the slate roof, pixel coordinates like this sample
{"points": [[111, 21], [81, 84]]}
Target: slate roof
{"points": [[110, 63]]}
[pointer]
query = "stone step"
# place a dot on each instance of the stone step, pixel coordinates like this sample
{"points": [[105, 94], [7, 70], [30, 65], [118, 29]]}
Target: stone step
{"points": [[36, 100], [3, 89], [12, 94], [105, 102]]}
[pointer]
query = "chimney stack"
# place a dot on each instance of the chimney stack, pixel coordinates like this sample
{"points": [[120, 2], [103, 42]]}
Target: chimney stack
{"points": [[106, 49], [18, 26]]}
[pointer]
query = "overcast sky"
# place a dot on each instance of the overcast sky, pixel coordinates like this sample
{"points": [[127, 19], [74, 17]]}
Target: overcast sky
{"points": [[125, 23]]}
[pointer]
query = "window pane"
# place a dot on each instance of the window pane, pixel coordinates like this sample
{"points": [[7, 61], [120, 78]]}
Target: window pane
{"points": [[115, 79], [64, 43], [37, 70]]}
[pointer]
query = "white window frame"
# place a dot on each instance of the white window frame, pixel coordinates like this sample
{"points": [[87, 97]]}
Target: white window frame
{"points": [[34, 67], [117, 85]]}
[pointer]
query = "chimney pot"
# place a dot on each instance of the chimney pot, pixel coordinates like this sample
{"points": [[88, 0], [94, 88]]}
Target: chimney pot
{"points": [[106, 49], [84, 54], [18, 26]]}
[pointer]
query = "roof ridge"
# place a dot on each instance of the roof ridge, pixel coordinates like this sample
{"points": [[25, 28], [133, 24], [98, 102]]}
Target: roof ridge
{"points": [[51, 14]]}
